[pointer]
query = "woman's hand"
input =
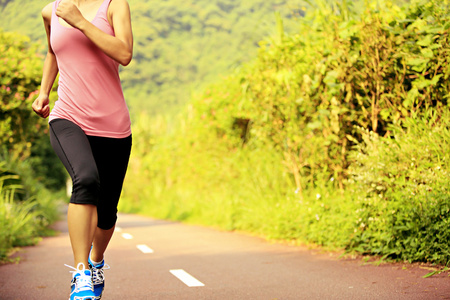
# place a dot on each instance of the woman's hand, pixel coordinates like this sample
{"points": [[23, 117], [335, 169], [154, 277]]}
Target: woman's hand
{"points": [[70, 13], [41, 106]]}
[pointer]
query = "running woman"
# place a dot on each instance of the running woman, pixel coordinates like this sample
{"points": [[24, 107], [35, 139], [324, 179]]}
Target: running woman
{"points": [[89, 124]]}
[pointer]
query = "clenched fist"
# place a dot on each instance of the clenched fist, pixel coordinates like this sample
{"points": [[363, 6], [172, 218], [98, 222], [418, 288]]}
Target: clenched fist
{"points": [[41, 106], [70, 13]]}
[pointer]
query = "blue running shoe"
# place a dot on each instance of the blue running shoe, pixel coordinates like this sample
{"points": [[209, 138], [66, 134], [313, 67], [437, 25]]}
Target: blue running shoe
{"points": [[98, 278], [81, 285]]}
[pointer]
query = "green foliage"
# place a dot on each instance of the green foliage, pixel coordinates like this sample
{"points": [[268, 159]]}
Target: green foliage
{"points": [[403, 187], [26, 206], [23, 219], [182, 45], [20, 73], [341, 126], [184, 172], [13, 219], [313, 89], [3, 3], [24, 134]]}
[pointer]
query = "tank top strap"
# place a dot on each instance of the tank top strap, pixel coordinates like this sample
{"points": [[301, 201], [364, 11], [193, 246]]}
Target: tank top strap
{"points": [[55, 5], [103, 10], [54, 16]]}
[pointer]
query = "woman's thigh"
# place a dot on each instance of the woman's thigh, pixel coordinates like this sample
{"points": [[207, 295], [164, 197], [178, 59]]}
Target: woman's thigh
{"points": [[111, 156], [74, 150]]}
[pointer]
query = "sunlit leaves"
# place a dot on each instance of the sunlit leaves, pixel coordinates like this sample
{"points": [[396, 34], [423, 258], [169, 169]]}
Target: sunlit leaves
{"points": [[20, 76]]}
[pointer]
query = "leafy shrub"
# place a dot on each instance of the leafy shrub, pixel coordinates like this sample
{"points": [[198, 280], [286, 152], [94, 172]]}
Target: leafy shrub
{"points": [[20, 73], [24, 134], [306, 92], [403, 187]]}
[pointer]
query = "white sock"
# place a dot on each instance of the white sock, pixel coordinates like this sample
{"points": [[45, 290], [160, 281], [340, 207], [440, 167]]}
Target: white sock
{"points": [[95, 263]]}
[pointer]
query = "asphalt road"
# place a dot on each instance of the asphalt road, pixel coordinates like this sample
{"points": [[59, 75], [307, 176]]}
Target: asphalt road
{"points": [[153, 259]]}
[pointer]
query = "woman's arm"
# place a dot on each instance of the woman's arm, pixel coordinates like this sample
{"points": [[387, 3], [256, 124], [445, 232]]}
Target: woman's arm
{"points": [[118, 47], [41, 104]]}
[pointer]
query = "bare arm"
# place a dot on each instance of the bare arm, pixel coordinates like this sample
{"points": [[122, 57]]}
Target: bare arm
{"points": [[50, 71], [118, 47]]}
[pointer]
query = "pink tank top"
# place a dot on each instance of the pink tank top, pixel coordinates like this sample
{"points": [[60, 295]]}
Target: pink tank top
{"points": [[89, 92]]}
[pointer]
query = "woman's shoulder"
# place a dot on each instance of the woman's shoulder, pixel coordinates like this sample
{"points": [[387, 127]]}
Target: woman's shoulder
{"points": [[118, 5], [47, 11]]}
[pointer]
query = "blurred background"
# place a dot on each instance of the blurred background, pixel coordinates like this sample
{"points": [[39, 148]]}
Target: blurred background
{"points": [[321, 122]]}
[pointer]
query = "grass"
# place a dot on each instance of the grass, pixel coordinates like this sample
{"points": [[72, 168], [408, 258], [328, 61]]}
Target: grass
{"points": [[200, 179], [23, 221]]}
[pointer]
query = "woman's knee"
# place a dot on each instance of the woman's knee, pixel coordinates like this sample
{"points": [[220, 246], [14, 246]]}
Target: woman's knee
{"points": [[86, 189], [107, 220]]}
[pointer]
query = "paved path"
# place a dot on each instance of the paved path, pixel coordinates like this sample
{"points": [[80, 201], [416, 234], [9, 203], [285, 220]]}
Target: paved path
{"points": [[223, 265]]}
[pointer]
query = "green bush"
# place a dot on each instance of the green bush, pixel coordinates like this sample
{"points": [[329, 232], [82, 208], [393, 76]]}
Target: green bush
{"points": [[403, 186], [20, 73], [24, 134]]}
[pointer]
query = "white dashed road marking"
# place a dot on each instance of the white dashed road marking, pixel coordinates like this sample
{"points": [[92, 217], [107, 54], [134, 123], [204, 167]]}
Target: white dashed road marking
{"points": [[144, 249], [186, 278], [182, 275], [127, 236]]}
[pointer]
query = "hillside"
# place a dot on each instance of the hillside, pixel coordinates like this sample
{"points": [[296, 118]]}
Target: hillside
{"points": [[179, 45]]}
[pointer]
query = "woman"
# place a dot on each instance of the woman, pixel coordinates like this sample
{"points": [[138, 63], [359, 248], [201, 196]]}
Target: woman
{"points": [[89, 124]]}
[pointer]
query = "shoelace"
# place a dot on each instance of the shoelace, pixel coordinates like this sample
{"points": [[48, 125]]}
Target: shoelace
{"points": [[83, 282], [97, 274]]}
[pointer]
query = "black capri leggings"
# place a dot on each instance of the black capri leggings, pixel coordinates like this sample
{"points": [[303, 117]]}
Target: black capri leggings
{"points": [[97, 166]]}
